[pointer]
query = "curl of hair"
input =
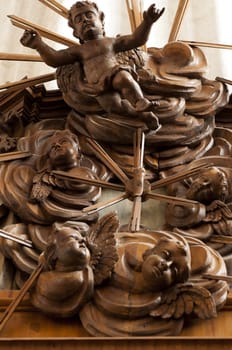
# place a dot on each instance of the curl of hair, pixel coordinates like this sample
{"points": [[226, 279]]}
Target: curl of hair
{"points": [[89, 4], [223, 186]]}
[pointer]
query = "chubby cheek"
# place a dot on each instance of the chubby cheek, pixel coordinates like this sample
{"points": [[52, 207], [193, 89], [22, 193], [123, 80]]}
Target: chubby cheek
{"points": [[166, 279], [154, 275]]}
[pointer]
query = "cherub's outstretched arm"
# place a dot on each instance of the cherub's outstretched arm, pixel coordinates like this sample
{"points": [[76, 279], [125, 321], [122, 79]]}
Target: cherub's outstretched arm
{"points": [[140, 36], [50, 56]]}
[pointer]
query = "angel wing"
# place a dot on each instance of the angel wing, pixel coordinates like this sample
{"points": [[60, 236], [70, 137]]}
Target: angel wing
{"points": [[102, 244], [217, 211], [43, 183], [185, 299]]}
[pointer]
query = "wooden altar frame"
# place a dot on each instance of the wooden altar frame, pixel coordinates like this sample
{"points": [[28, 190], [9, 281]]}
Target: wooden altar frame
{"points": [[29, 329]]}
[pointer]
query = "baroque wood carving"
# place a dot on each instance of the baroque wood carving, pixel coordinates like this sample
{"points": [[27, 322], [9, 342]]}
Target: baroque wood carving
{"points": [[130, 121]]}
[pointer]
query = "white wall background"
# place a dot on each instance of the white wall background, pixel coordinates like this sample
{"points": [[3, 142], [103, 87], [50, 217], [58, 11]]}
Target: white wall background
{"points": [[208, 20]]}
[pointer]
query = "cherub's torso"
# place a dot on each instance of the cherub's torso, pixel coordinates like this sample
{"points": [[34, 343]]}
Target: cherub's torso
{"points": [[97, 57]]}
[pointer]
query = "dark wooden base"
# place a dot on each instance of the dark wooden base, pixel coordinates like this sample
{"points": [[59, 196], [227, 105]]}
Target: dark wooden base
{"points": [[31, 330]]}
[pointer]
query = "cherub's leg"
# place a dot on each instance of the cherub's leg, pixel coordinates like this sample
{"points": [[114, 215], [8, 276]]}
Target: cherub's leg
{"points": [[112, 102], [131, 91]]}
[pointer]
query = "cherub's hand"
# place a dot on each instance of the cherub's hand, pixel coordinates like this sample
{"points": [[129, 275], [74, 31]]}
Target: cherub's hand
{"points": [[30, 39], [152, 14]]}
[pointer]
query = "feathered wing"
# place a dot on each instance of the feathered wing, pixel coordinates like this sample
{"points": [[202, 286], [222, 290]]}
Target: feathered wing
{"points": [[102, 244], [42, 185], [183, 300], [217, 211]]}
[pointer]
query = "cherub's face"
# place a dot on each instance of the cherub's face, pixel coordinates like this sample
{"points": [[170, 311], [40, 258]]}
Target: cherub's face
{"points": [[166, 264], [63, 151], [71, 249], [87, 23], [207, 186]]}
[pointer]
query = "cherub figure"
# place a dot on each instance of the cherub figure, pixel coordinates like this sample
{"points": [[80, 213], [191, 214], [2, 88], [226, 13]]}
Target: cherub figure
{"points": [[213, 188], [156, 282], [210, 185], [160, 266], [41, 197], [166, 264], [63, 153], [113, 85], [74, 262]]}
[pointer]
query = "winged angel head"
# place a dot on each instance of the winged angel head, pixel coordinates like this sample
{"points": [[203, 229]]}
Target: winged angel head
{"points": [[166, 264], [73, 247]]}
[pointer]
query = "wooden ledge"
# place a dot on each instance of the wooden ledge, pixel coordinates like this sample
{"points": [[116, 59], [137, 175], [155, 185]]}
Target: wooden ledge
{"points": [[30, 329]]}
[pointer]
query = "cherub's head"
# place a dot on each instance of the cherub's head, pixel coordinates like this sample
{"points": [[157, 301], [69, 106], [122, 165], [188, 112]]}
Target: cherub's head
{"points": [[211, 184], [86, 20], [166, 264], [64, 150], [67, 249]]}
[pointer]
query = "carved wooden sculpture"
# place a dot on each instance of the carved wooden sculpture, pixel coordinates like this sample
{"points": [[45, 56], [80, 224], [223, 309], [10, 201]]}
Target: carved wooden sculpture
{"points": [[132, 122], [212, 187]]}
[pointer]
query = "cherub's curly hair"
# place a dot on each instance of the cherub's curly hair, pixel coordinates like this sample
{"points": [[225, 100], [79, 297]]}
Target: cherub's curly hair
{"points": [[80, 4]]}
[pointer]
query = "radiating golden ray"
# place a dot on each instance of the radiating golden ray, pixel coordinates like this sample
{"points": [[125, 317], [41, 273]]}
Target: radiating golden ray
{"points": [[135, 13], [141, 9], [13, 305], [217, 277], [178, 19], [226, 81], [91, 209], [15, 238], [27, 25], [207, 44], [179, 176], [221, 239], [176, 200], [134, 9], [24, 83], [94, 182], [4, 56], [107, 160], [56, 7], [8, 156]]}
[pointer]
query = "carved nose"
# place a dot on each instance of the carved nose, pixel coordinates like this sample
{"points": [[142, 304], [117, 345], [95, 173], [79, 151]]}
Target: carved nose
{"points": [[164, 265]]}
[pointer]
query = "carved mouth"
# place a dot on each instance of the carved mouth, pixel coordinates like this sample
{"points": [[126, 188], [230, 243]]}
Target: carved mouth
{"points": [[156, 271]]}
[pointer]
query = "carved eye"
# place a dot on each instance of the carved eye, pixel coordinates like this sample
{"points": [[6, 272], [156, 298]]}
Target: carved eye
{"points": [[89, 15], [205, 182], [78, 19], [166, 254]]}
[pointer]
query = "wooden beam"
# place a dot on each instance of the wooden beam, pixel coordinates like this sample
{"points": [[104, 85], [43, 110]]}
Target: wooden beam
{"points": [[91, 209], [24, 83], [136, 11], [178, 19], [207, 44], [222, 80], [13, 305], [81, 179], [179, 176], [175, 200], [56, 7], [15, 238], [9, 156], [218, 277], [4, 56], [131, 15], [27, 25], [107, 160]]}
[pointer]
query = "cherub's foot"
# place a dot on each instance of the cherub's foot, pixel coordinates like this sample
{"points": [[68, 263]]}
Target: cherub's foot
{"points": [[144, 105], [151, 121]]}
